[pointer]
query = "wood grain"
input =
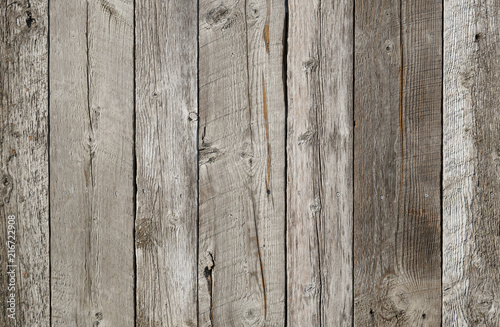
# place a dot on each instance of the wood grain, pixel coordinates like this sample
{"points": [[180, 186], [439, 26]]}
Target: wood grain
{"points": [[241, 274], [320, 163], [91, 162], [166, 147], [471, 185], [397, 163], [24, 170]]}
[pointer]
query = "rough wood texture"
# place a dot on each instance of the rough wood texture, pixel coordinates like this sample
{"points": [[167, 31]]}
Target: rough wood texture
{"points": [[166, 148], [319, 143], [24, 161], [241, 274], [397, 163], [91, 162], [471, 184]]}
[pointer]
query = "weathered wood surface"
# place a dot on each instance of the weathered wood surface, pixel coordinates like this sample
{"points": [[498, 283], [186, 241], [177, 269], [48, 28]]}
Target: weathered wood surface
{"points": [[91, 162], [166, 145], [24, 162], [241, 273], [319, 154], [471, 184], [397, 163], [277, 169]]}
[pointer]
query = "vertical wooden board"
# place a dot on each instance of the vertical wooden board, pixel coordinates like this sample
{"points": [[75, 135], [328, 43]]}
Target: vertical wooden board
{"points": [[319, 143], [166, 144], [91, 162], [471, 185], [397, 163], [241, 274], [24, 271]]}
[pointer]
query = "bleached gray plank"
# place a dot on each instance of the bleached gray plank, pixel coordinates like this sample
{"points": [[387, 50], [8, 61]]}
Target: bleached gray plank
{"points": [[241, 274], [319, 143], [166, 222], [471, 185], [91, 162]]}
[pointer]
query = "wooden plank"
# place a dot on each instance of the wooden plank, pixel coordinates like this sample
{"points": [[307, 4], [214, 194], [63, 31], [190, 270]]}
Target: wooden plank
{"points": [[241, 274], [24, 271], [166, 223], [320, 185], [471, 185], [91, 162], [397, 163]]}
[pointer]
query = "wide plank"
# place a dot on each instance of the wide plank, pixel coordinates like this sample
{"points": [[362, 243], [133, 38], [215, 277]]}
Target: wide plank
{"points": [[471, 184], [166, 149], [320, 163], [241, 273], [397, 163], [24, 172], [91, 162]]}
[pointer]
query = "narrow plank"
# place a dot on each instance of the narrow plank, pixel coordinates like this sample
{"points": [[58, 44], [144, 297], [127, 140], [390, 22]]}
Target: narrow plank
{"points": [[91, 162], [397, 163], [166, 148], [320, 163], [24, 188], [241, 274], [471, 185]]}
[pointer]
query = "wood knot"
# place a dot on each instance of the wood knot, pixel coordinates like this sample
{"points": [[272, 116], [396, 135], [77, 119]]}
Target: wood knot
{"points": [[193, 116], [389, 45], [310, 289], [208, 154], [220, 16], [307, 138], [98, 316], [29, 20], [406, 299], [253, 314], [310, 65], [315, 206], [6, 185], [144, 233]]}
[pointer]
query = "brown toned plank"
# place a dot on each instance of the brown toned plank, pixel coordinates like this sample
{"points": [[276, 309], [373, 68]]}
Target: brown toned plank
{"points": [[397, 163]]}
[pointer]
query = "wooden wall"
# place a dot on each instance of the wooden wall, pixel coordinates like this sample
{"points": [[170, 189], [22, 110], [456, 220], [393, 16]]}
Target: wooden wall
{"points": [[249, 163]]}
